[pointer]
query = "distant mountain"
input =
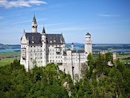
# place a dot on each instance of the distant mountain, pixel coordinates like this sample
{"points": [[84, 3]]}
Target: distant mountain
{"points": [[1, 44], [6, 46], [77, 46]]}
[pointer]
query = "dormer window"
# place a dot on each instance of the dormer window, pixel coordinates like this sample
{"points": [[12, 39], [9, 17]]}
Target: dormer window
{"points": [[61, 41], [32, 37]]}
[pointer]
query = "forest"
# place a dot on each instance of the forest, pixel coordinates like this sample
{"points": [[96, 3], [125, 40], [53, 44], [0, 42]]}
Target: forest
{"points": [[98, 80]]}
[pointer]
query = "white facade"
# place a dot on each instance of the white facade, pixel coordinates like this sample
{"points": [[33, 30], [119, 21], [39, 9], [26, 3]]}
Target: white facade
{"points": [[40, 49]]}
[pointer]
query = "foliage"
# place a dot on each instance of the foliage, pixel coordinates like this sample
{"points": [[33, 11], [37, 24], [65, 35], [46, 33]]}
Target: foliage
{"points": [[103, 81], [99, 80], [15, 82]]}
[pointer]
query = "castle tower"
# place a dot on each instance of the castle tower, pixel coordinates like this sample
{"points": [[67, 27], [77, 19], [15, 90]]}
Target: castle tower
{"points": [[102, 51], [63, 46], [44, 47], [114, 56], [72, 46], [88, 44], [34, 25]]}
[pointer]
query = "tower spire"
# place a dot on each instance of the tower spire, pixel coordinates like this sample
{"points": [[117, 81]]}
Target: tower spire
{"points": [[43, 31], [34, 24], [34, 19]]}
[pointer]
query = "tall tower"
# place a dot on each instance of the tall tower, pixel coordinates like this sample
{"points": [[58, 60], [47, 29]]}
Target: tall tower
{"points": [[34, 25], [88, 44], [72, 46], [44, 47], [114, 56], [64, 46]]}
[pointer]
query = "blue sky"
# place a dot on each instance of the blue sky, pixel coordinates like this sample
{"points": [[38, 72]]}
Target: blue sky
{"points": [[108, 21]]}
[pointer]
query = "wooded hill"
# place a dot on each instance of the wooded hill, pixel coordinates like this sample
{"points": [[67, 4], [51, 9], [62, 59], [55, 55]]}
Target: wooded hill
{"points": [[99, 80]]}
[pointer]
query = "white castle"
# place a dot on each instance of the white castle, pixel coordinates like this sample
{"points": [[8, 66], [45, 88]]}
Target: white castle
{"points": [[41, 49]]}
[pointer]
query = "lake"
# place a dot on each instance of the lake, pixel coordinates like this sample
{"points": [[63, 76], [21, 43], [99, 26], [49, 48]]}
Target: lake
{"points": [[9, 50], [113, 50]]}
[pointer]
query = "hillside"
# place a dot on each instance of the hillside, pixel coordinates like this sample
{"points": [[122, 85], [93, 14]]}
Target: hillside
{"points": [[99, 80]]}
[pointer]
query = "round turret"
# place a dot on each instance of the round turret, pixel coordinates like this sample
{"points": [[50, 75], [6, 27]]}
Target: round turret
{"points": [[72, 46], [88, 44], [44, 47], [63, 46], [88, 36]]}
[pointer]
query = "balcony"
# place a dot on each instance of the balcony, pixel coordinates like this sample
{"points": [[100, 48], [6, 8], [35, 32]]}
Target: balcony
{"points": [[58, 50]]}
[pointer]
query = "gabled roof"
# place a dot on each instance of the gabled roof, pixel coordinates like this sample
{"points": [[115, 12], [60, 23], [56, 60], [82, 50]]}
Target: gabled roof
{"points": [[55, 39], [34, 38], [77, 51], [80, 51], [74, 51]]}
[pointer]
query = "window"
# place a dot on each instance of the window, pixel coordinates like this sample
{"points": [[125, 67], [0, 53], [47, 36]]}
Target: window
{"points": [[32, 41]]}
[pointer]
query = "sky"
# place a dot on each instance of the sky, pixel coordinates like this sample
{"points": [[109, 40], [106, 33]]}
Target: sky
{"points": [[108, 21]]}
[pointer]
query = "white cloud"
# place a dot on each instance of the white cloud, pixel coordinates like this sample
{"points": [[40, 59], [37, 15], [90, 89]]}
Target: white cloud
{"points": [[108, 15], [20, 3]]}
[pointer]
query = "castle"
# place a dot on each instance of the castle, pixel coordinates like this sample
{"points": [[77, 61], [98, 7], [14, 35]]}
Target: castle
{"points": [[41, 49]]}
